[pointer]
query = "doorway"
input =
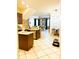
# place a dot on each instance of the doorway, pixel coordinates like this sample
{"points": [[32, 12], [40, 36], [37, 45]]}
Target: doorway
{"points": [[43, 23]]}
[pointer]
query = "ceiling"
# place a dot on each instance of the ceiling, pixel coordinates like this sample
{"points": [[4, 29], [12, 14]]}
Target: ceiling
{"points": [[40, 6]]}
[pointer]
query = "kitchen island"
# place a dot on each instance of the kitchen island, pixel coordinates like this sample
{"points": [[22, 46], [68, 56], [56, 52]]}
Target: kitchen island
{"points": [[25, 40], [36, 32]]}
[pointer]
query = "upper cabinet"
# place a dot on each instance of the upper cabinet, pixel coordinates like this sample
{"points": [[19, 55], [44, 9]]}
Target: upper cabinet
{"points": [[19, 18]]}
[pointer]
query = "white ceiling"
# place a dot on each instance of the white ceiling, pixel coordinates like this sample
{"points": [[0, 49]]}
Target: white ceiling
{"points": [[38, 7], [43, 7], [41, 4]]}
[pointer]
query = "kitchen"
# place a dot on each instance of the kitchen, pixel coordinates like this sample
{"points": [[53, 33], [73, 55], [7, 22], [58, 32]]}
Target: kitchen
{"points": [[38, 26]]}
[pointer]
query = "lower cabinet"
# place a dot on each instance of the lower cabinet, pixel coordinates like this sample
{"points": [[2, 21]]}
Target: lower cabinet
{"points": [[25, 41]]}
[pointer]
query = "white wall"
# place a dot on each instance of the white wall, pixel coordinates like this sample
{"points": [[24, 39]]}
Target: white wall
{"points": [[31, 21], [55, 21]]}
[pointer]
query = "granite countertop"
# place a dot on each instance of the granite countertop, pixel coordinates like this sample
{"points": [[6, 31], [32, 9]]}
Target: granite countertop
{"points": [[33, 29], [25, 32]]}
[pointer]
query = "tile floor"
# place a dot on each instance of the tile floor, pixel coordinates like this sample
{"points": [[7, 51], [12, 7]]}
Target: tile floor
{"points": [[42, 49]]}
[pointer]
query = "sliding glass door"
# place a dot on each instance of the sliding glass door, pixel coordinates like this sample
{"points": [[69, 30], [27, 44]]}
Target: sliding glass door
{"points": [[43, 23]]}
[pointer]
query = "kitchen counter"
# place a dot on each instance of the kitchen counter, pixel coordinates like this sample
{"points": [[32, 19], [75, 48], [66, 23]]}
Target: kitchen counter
{"points": [[25, 32], [36, 32], [33, 29], [25, 40]]}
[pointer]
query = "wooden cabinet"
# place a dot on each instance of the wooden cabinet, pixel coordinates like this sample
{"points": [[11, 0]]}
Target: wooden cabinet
{"points": [[36, 33], [25, 41], [19, 18]]}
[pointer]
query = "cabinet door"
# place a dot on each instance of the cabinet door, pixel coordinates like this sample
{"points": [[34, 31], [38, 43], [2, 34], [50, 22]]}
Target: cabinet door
{"points": [[19, 18]]}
